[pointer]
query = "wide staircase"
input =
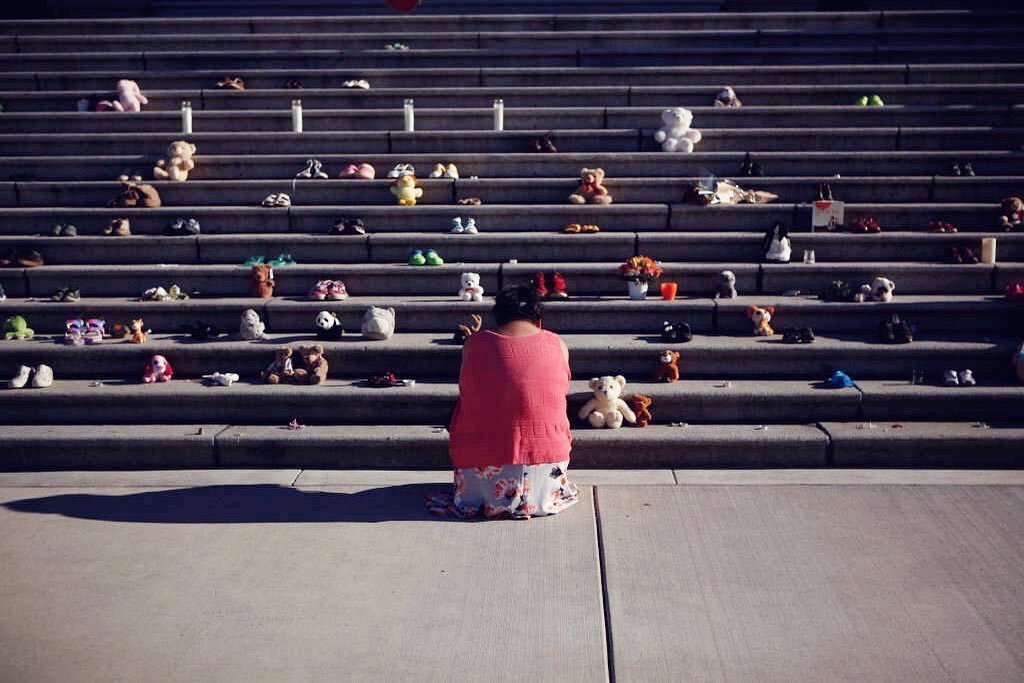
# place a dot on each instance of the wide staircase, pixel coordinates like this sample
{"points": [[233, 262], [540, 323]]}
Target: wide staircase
{"points": [[953, 86]]}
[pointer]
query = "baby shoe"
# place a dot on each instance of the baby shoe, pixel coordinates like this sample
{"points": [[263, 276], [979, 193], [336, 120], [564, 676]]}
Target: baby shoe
{"points": [[319, 290], [559, 289], [950, 378], [471, 226], [451, 171], [20, 378], [861, 101], [402, 169], [537, 283], [74, 331], [791, 335], [438, 171], [366, 171], [43, 377], [967, 378], [457, 227], [336, 291], [282, 260], [433, 258], [318, 169], [352, 226], [416, 258], [875, 101], [350, 171]]}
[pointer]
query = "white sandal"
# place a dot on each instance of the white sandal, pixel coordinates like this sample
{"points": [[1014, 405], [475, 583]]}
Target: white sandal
{"points": [[283, 200], [270, 200]]}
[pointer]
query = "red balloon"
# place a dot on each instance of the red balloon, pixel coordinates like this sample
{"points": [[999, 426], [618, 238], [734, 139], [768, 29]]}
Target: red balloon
{"points": [[402, 5]]}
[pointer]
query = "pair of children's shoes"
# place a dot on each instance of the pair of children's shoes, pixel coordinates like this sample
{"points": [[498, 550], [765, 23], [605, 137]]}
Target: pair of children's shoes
{"points": [[358, 84], [869, 101], [183, 228], [314, 169], [443, 171], [330, 290], [964, 378], [576, 228], [895, 330], [64, 230], [282, 200], [468, 229], [363, 171], [793, 335], [42, 377], [425, 257], [348, 226], [963, 255], [557, 290]]}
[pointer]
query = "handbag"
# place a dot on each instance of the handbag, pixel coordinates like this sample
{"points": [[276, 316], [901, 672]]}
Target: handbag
{"points": [[826, 212]]}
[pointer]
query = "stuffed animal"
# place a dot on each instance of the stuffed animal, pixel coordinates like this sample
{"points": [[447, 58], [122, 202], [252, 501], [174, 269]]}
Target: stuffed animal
{"points": [[120, 227], [314, 365], [137, 332], [178, 163], [158, 370], [591, 189], [725, 287], [606, 409], [328, 326], [762, 318], [262, 280], [468, 329], [405, 190], [251, 327], [95, 330], [280, 370], [224, 379], [880, 289], [16, 327], [471, 289], [776, 245], [727, 98], [676, 135], [1013, 213], [675, 333], [129, 96], [378, 323], [136, 194], [640, 405], [668, 367], [1018, 363]]}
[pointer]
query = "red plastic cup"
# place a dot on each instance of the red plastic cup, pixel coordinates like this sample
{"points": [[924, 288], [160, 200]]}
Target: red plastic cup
{"points": [[668, 290]]}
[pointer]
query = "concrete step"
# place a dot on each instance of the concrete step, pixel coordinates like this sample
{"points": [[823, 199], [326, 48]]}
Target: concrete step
{"points": [[541, 190], [202, 79], [518, 165], [558, 113], [924, 444], [430, 355], [982, 314], [450, 142]]}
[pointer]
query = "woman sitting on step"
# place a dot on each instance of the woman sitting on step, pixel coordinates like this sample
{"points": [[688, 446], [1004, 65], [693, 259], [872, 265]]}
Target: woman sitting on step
{"points": [[510, 437]]}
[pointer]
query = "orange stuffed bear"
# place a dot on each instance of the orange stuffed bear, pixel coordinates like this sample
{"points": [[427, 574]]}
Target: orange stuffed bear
{"points": [[640, 404], [668, 366]]}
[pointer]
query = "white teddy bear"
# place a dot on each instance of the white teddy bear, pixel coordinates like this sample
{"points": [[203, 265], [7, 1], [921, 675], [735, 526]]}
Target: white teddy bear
{"points": [[880, 289], [676, 135], [251, 327], [606, 409], [378, 323], [471, 289]]}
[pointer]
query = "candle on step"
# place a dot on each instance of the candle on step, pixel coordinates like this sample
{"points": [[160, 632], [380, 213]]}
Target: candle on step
{"points": [[186, 118], [296, 116], [988, 249], [499, 115], [410, 117]]}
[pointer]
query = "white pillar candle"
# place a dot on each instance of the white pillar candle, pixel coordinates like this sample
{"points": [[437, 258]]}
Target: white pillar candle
{"points": [[410, 117], [186, 118], [988, 249], [499, 115], [296, 116]]}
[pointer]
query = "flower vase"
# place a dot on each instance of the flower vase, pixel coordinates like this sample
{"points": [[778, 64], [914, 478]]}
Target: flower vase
{"points": [[637, 290]]}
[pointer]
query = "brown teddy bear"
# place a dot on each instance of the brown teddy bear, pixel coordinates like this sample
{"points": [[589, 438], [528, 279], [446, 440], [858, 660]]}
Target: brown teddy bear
{"points": [[136, 194], [178, 163], [591, 189], [640, 404], [668, 366], [281, 368], [1013, 213], [262, 280], [314, 365]]}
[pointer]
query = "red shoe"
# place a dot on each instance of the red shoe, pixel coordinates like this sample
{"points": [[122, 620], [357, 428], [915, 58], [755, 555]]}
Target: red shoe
{"points": [[336, 290], [319, 290], [537, 282], [558, 287]]}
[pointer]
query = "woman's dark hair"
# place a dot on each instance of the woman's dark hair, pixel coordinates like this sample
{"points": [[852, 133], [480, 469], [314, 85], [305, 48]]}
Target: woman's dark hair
{"points": [[517, 302]]}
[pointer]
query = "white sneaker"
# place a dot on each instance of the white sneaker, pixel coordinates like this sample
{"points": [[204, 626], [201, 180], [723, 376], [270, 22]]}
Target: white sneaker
{"points": [[451, 171], [43, 377], [967, 378], [438, 171], [361, 84], [471, 227], [457, 226], [950, 379], [401, 169], [20, 379]]}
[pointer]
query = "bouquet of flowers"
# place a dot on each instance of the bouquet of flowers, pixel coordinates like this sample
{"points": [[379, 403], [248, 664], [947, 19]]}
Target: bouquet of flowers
{"points": [[640, 269]]}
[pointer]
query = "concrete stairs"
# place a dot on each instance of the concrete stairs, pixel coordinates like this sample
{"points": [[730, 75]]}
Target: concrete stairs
{"points": [[953, 83]]}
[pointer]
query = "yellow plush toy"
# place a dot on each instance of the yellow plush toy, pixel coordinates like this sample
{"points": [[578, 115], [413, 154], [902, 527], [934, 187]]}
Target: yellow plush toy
{"points": [[405, 190]]}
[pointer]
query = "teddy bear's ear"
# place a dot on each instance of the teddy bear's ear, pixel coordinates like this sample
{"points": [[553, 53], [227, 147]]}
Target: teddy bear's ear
{"points": [[751, 310], [620, 380], [595, 382], [599, 174]]}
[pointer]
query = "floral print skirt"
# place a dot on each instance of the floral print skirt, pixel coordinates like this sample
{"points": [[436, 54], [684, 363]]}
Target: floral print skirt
{"points": [[516, 491]]}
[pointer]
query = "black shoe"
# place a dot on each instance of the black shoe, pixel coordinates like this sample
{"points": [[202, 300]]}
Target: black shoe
{"points": [[955, 169], [201, 331], [675, 333], [806, 335], [791, 335], [350, 226]]}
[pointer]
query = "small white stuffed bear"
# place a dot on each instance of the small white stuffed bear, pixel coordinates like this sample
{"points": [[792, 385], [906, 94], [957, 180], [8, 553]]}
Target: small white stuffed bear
{"points": [[251, 327], [471, 289], [606, 409], [378, 323], [676, 135], [880, 289]]}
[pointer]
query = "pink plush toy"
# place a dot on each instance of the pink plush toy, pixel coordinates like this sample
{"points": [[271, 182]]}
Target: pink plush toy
{"points": [[158, 370], [129, 98]]}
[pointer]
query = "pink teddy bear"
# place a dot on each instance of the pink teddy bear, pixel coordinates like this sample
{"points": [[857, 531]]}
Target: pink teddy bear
{"points": [[129, 98]]}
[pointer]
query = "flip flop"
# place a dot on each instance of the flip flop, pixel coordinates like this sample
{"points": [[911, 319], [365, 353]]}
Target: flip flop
{"points": [[253, 261]]}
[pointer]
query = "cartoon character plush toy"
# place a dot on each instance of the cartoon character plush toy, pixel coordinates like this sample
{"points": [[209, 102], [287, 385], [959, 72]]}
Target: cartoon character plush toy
{"points": [[129, 96], [178, 163], [468, 329], [136, 194], [471, 289], [137, 332], [725, 287], [378, 323], [606, 409], [591, 189], [314, 365], [776, 245], [676, 135], [762, 318], [1013, 213], [157, 370], [328, 326], [727, 98], [640, 405], [16, 327], [668, 366], [262, 280], [405, 190], [280, 370], [251, 327], [880, 289]]}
